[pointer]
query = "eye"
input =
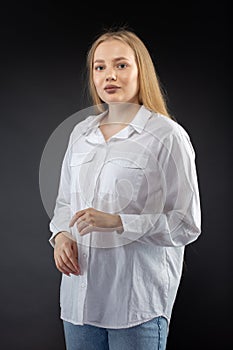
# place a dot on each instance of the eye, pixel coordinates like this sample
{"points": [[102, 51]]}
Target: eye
{"points": [[99, 68], [122, 65]]}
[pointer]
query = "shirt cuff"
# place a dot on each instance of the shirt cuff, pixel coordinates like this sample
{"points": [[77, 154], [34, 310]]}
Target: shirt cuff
{"points": [[55, 229]]}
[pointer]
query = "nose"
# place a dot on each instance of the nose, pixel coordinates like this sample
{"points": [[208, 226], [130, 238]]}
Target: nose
{"points": [[111, 75]]}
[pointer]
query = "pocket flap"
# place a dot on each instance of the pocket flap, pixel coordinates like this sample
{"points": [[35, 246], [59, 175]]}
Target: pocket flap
{"points": [[81, 158], [129, 160]]}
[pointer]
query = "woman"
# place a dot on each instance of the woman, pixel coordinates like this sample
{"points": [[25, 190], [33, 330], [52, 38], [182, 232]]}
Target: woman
{"points": [[128, 204]]}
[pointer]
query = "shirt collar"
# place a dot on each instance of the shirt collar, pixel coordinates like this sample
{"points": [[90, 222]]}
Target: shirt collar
{"points": [[138, 122]]}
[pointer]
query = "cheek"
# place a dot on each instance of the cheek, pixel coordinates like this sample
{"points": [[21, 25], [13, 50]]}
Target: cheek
{"points": [[96, 81], [135, 78], [133, 81], [131, 78]]}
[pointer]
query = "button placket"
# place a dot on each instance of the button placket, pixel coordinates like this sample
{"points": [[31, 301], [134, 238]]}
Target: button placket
{"points": [[82, 296], [97, 177]]}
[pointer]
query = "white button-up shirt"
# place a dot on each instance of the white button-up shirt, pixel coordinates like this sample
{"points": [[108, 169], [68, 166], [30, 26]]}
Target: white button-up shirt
{"points": [[145, 173]]}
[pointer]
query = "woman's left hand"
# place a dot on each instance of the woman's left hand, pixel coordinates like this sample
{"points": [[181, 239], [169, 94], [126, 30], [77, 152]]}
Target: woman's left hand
{"points": [[90, 219]]}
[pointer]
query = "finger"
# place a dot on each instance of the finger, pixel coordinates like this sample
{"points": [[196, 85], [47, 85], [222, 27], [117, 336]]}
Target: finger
{"points": [[81, 225], [75, 250], [76, 216], [87, 229], [61, 267], [81, 219], [70, 261], [74, 257]]}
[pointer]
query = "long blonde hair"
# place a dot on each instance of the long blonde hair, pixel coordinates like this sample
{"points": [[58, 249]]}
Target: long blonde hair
{"points": [[150, 92]]}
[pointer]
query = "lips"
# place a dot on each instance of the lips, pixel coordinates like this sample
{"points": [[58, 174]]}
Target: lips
{"points": [[111, 88]]}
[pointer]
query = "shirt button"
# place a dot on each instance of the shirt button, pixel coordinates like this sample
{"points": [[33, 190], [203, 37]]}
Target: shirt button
{"points": [[84, 255], [83, 285]]}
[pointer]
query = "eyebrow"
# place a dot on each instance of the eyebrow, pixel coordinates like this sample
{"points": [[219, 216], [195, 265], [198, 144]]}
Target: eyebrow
{"points": [[115, 59]]}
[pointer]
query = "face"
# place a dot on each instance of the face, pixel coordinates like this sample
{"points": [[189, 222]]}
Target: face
{"points": [[115, 72]]}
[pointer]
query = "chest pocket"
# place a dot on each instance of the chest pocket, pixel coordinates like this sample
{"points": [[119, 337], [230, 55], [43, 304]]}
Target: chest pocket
{"points": [[81, 168], [124, 174]]}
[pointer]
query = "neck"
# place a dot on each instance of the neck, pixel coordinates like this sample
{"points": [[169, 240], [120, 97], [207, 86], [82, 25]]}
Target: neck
{"points": [[121, 112]]}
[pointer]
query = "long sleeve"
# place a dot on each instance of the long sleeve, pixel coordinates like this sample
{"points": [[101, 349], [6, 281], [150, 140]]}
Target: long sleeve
{"points": [[179, 221], [62, 213]]}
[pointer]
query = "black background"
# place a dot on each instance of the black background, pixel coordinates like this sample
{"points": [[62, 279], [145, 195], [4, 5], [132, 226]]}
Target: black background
{"points": [[43, 48]]}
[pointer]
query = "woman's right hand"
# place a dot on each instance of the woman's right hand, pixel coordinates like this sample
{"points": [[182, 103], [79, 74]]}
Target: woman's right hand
{"points": [[66, 254]]}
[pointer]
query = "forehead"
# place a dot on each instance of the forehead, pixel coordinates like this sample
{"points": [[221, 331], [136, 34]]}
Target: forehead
{"points": [[112, 48]]}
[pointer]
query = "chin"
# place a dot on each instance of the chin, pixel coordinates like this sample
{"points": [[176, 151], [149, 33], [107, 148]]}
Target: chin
{"points": [[116, 98]]}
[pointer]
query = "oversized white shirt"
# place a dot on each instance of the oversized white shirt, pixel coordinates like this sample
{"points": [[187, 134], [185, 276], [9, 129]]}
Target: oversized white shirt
{"points": [[145, 173]]}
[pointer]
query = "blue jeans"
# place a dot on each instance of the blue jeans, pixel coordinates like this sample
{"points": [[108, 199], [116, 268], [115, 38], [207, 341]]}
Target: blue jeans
{"points": [[150, 335]]}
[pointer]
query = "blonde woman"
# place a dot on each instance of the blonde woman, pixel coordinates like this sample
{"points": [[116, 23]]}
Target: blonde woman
{"points": [[128, 204]]}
